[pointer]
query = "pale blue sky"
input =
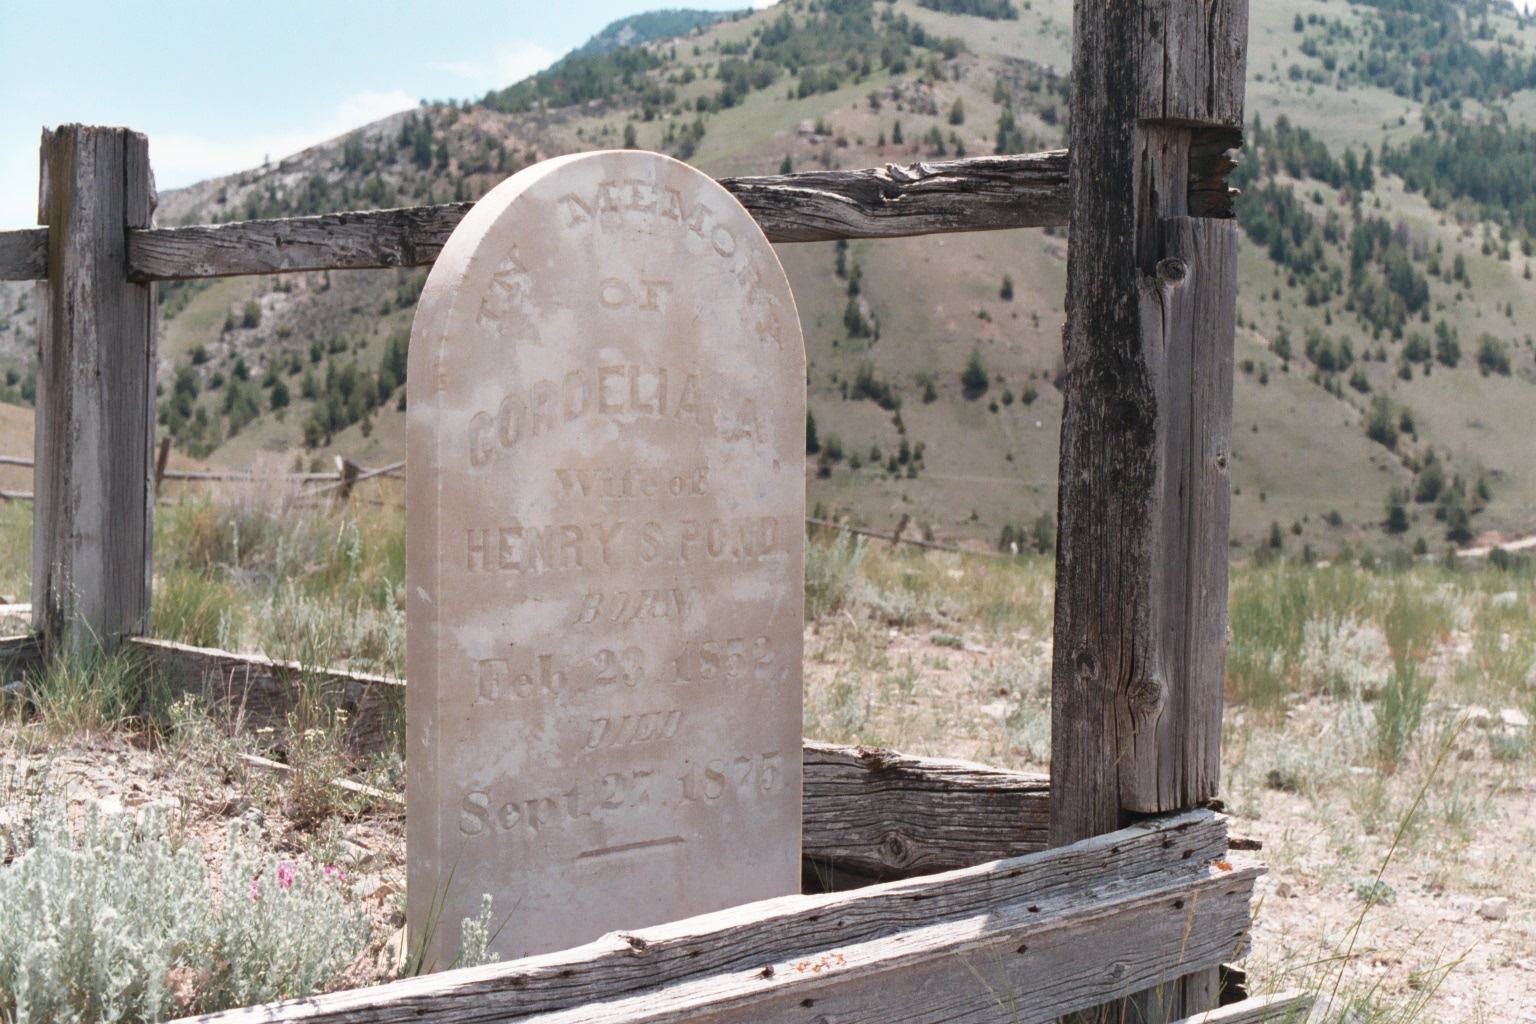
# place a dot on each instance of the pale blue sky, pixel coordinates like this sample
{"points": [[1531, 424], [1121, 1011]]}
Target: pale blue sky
{"points": [[218, 85]]}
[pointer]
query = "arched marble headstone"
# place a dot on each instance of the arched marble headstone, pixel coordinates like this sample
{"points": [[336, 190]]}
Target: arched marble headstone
{"points": [[605, 560]]}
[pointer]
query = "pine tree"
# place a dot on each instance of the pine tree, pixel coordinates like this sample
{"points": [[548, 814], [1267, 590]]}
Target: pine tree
{"points": [[974, 380]]}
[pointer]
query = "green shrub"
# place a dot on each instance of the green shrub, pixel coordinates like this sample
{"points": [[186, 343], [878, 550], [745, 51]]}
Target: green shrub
{"points": [[830, 571], [1379, 425], [115, 922], [974, 379], [1492, 355]]}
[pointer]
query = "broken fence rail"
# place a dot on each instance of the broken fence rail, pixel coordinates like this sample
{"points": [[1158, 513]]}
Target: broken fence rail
{"points": [[1031, 933], [978, 194]]}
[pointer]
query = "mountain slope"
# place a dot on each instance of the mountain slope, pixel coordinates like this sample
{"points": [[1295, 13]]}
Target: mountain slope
{"points": [[301, 367]]}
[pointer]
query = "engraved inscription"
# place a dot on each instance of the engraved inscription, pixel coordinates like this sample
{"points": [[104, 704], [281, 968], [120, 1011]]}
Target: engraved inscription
{"points": [[632, 483], [623, 391], [624, 606], [607, 413], [616, 293], [733, 659], [508, 290], [629, 730], [620, 794], [535, 550]]}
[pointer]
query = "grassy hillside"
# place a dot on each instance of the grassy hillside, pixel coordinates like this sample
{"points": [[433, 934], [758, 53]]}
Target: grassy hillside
{"points": [[1386, 366]]}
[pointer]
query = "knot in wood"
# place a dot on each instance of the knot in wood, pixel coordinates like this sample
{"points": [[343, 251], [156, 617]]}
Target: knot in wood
{"points": [[1171, 270], [1117, 970], [1087, 666], [895, 847], [636, 943], [1147, 697]]}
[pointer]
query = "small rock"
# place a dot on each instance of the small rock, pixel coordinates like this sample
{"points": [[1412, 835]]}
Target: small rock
{"points": [[1514, 717], [997, 709], [1284, 890], [253, 817], [105, 805], [367, 886], [354, 855], [1477, 715], [1494, 908]]}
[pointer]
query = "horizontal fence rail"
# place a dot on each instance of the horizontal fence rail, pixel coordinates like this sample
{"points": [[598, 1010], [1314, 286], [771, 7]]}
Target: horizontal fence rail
{"points": [[24, 255], [1043, 935], [978, 194]]}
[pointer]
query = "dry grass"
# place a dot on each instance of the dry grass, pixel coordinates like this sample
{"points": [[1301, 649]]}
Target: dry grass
{"points": [[1368, 736], [1363, 742]]}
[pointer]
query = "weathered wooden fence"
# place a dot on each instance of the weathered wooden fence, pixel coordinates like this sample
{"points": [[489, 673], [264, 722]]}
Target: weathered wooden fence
{"points": [[1107, 883]]}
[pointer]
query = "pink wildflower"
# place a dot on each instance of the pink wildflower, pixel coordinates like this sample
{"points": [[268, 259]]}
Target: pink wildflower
{"points": [[284, 875], [255, 889], [335, 874]]}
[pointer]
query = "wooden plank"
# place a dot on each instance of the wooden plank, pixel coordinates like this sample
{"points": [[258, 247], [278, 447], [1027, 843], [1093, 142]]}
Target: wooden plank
{"points": [[979, 194], [253, 692], [889, 815], [1048, 932], [95, 392], [20, 655], [24, 255], [1192, 58], [1140, 639], [1139, 572], [1191, 304], [406, 237], [372, 792], [1281, 1008]]}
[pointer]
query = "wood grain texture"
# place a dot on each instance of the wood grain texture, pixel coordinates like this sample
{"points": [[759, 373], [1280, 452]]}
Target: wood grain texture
{"points": [[95, 394], [1156, 100], [1190, 308], [889, 815], [1191, 58], [406, 237], [1050, 932], [252, 692], [1280, 1008], [1150, 305], [24, 255], [979, 194]]}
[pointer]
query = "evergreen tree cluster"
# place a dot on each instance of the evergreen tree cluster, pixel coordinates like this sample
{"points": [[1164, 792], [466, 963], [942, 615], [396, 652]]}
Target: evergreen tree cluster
{"points": [[1490, 164], [995, 10]]}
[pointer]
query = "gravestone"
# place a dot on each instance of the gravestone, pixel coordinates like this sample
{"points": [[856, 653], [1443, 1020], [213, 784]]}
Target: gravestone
{"points": [[605, 560]]}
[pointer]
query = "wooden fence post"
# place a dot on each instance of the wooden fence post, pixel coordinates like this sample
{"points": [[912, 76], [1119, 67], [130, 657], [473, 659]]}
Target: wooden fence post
{"points": [[1141, 569], [93, 512]]}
